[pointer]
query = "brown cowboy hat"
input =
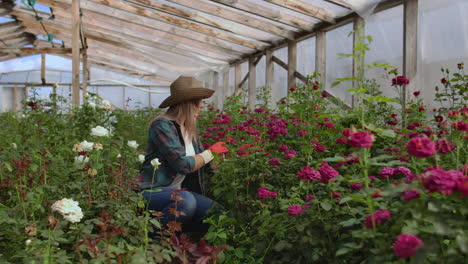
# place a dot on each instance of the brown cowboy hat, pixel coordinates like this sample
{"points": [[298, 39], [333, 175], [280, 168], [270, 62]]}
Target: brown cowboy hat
{"points": [[185, 89]]}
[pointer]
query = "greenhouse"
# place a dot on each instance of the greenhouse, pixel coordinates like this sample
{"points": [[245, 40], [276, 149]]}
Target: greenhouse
{"points": [[233, 131]]}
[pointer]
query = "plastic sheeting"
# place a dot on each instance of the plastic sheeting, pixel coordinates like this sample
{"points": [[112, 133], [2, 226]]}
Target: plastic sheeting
{"points": [[442, 40]]}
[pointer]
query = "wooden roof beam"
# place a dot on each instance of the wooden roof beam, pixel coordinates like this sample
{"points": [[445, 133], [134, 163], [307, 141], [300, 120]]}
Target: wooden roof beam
{"points": [[114, 36], [125, 27], [132, 8], [260, 10], [305, 8], [340, 3], [130, 50], [168, 30], [187, 14], [237, 17], [32, 51], [9, 27]]}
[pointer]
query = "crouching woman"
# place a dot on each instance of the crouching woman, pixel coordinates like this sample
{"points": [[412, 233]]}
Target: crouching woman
{"points": [[173, 140]]}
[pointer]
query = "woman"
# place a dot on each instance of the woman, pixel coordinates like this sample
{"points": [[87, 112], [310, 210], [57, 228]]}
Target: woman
{"points": [[173, 140]]}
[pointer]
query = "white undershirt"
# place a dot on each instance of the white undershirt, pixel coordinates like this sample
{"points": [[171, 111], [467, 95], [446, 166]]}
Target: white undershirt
{"points": [[189, 151]]}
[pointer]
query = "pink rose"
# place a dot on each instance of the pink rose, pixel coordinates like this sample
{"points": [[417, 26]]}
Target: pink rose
{"points": [[307, 173], [386, 172], [379, 217], [274, 162], [400, 80], [294, 210], [407, 245], [444, 146], [264, 193], [282, 148], [411, 195], [289, 154], [327, 172], [361, 139], [439, 180], [421, 147], [356, 186]]}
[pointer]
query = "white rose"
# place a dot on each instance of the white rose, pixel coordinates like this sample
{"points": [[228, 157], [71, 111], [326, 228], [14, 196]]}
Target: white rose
{"points": [[113, 119], [86, 146], [99, 131], [80, 160], [92, 105], [69, 209], [119, 156], [133, 144], [141, 158], [106, 105], [13, 145], [155, 162]]}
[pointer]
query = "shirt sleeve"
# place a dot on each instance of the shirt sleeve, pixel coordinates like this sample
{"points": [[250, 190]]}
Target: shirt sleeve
{"points": [[164, 136]]}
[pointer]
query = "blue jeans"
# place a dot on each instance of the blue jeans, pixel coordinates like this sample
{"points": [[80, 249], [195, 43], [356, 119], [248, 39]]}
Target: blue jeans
{"points": [[194, 206]]}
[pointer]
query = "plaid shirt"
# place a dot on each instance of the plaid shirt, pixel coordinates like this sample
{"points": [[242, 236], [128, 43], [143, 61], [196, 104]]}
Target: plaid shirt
{"points": [[166, 143]]}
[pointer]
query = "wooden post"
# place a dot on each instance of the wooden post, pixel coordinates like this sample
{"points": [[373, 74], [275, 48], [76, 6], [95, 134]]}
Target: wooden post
{"points": [[237, 77], [215, 85], [43, 66], [225, 83], [252, 82], [269, 73], [321, 57], [149, 97], [124, 100], [85, 74], [292, 63], [76, 52], [358, 61], [26, 93], [410, 47], [15, 99]]}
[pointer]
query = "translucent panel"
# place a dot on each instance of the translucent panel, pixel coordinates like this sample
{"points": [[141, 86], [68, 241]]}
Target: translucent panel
{"points": [[280, 76], [442, 40], [113, 94], [335, 10], [281, 10], [306, 56], [157, 99], [386, 29], [244, 71], [339, 42], [260, 72], [21, 64], [136, 99]]}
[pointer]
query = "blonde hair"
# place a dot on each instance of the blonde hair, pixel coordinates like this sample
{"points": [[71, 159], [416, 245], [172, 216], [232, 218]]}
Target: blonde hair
{"points": [[184, 112]]}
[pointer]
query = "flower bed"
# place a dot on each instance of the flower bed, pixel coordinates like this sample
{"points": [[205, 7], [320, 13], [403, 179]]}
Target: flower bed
{"points": [[308, 182]]}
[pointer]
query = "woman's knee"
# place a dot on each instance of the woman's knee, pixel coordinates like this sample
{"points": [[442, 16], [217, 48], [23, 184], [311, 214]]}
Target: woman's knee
{"points": [[186, 203]]}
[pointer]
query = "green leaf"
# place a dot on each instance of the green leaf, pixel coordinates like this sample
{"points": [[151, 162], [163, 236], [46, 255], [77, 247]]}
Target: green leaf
{"points": [[282, 244], [326, 206], [155, 223], [153, 190], [462, 242], [349, 222], [342, 251], [335, 83], [388, 133], [345, 199]]}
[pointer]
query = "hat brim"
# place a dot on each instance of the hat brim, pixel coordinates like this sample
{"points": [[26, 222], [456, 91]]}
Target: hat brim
{"points": [[189, 94]]}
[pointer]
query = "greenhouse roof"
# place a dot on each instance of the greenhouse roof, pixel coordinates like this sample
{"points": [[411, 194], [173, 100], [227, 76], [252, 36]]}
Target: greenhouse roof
{"points": [[158, 38]]}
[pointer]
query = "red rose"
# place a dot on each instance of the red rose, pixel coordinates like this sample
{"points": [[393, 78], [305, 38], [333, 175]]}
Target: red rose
{"points": [[407, 245]]}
